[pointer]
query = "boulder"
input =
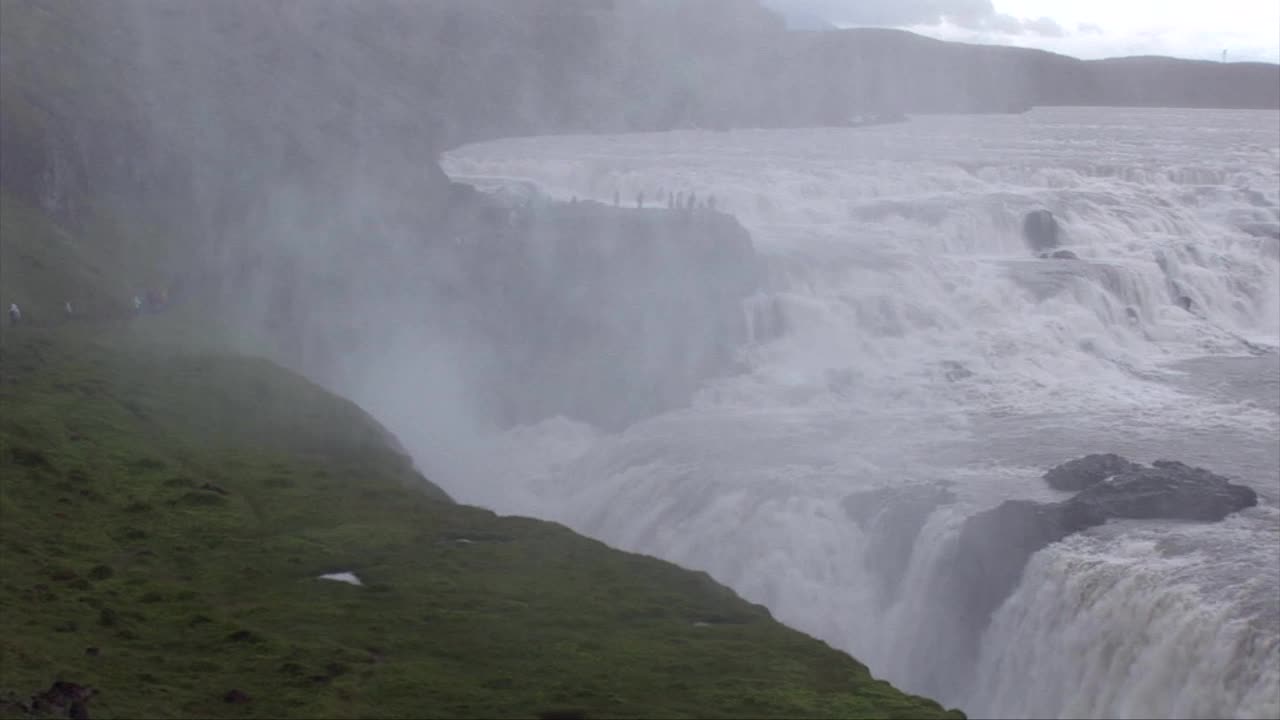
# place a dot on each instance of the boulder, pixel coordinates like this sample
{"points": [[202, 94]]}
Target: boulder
{"points": [[1040, 230], [1076, 475], [1169, 490]]}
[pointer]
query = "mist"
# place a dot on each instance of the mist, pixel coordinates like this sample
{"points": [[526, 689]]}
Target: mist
{"points": [[756, 301]]}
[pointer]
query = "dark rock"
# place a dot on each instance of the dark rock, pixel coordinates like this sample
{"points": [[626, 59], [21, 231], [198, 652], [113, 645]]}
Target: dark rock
{"points": [[1076, 475], [215, 488], [1040, 230], [994, 546], [1185, 303], [1169, 490], [92, 651], [78, 711], [1063, 255], [236, 697]]}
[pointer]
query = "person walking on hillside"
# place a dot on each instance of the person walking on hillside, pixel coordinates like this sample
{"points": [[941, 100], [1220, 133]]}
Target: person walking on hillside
{"points": [[15, 314]]}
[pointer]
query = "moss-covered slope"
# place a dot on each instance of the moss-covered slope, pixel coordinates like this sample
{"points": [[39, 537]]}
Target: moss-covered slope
{"points": [[165, 513], [174, 510]]}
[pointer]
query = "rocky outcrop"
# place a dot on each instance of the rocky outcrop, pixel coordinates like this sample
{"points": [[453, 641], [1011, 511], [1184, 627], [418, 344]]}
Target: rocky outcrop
{"points": [[605, 315], [1076, 475], [986, 562], [1168, 490], [993, 546], [1040, 230]]}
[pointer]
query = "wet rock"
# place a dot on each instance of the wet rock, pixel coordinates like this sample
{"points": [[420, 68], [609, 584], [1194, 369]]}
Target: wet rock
{"points": [[1168, 490], [1076, 475], [986, 562], [1040, 230], [994, 546]]}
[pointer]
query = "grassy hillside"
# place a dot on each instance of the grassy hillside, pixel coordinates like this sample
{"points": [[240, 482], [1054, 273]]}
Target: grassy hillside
{"points": [[165, 513]]}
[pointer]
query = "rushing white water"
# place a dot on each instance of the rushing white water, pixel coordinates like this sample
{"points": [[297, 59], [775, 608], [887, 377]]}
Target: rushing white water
{"points": [[909, 338]]}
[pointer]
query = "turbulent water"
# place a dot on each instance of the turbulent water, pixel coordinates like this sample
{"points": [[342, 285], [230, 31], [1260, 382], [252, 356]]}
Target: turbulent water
{"points": [[907, 339]]}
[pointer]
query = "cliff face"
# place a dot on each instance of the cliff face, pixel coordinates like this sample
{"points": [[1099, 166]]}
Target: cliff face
{"points": [[288, 154], [282, 159]]}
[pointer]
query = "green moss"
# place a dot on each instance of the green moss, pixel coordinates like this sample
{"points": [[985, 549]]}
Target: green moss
{"points": [[147, 518]]}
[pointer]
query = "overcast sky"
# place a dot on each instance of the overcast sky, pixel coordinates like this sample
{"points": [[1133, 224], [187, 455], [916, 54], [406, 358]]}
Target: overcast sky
{"points": [[1202, 29]]}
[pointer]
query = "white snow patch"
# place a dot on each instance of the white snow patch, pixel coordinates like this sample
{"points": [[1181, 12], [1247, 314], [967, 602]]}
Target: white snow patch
{"points": [[346, 577]]}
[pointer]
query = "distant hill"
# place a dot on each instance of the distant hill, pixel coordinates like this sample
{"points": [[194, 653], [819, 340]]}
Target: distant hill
{"points": [[870, 68], [798, 18]]}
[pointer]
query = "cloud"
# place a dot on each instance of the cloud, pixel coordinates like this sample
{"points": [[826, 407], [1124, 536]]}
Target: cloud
{"points": [[968, 14], [1044, 27], [1083, 28]]}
